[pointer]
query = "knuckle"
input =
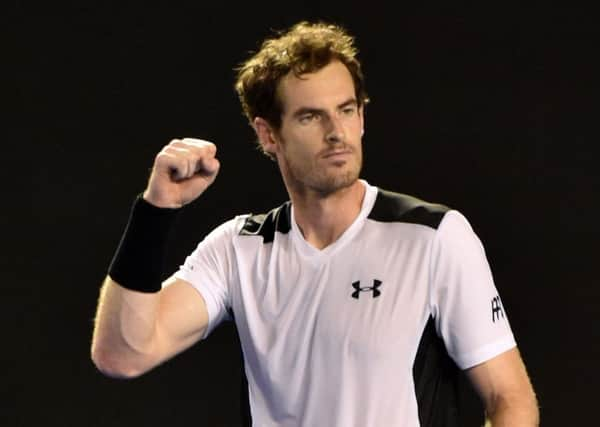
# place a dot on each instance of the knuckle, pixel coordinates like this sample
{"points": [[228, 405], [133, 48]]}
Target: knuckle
{"points": [[162, 156], [210, 149]]}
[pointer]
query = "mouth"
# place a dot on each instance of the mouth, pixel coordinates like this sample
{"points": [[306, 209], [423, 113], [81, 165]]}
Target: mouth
{"points": [[337, 154]]}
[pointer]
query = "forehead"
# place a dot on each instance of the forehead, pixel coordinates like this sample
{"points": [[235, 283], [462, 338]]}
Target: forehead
{"points": [[329, 86]]}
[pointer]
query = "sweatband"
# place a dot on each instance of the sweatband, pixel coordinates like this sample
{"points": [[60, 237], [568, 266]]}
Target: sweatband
{"points": [[138, 263]]}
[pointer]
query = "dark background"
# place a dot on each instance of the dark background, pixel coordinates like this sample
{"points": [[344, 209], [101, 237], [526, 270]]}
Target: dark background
{"points": [[489, 109]]}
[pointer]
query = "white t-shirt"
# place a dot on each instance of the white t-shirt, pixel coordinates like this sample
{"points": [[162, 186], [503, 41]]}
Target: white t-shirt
{"points": [[359, 333]]}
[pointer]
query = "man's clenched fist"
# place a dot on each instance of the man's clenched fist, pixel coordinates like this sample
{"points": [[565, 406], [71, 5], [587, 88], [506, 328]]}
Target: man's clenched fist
{"points": [[182, 171]]}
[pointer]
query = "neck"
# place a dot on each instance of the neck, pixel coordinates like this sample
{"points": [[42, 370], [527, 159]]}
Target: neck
{"points": [[323, 218]]}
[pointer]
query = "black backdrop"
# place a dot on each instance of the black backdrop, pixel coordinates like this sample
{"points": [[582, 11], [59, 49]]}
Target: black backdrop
{"points": [[489, 109]]}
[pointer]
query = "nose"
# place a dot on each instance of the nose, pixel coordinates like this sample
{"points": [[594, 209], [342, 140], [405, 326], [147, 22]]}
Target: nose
{"points": [[334, 130]]}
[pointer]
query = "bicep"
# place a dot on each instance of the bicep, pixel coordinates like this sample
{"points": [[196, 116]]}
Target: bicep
{"points": [[502, 378], [182, 317]]}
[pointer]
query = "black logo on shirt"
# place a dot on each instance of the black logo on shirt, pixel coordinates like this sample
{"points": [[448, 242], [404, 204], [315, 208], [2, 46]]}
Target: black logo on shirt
{"points": [[496, 309], [374, 289]]}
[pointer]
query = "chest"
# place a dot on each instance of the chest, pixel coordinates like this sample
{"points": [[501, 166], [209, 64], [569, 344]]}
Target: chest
{"points": [[363, 299]]}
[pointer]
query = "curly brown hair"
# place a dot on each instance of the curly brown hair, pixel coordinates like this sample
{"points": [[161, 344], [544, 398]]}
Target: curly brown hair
{"points": [[304, 48]]}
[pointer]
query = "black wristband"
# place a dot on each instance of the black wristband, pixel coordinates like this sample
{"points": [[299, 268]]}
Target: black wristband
{"points": [[138, 263]]}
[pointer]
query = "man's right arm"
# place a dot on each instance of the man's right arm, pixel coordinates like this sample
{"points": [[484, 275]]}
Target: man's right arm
{"points": [[139, 324], [136, 331]]}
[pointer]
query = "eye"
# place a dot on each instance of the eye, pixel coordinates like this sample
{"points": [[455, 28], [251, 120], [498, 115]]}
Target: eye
{"points": [[308, 117], [349, 110]]}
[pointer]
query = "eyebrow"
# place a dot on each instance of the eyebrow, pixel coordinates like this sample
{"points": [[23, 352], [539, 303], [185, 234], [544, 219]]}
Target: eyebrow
{"points": [[311, 110]]}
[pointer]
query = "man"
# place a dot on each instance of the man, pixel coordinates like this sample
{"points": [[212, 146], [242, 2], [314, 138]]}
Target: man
{"points": [[355, 306]]}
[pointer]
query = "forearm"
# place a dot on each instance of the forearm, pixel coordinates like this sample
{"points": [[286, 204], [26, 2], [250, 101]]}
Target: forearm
{"points": [[124, 340], [124, 343]]}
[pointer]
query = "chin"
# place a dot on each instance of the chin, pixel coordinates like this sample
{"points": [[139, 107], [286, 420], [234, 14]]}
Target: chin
{"points": [[323, 180], [333, 183]]}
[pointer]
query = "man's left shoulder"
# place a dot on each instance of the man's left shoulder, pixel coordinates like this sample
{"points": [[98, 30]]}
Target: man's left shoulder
{"points": [[398, 207]]}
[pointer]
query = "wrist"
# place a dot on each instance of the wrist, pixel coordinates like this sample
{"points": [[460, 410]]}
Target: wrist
{"points": [[138, 263], [155, 199]]}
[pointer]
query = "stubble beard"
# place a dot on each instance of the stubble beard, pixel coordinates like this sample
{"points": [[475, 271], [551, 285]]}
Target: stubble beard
{"points": [[324, 181]]}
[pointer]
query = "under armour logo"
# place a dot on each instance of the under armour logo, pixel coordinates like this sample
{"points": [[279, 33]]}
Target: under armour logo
{"points": [[374, 289], [496, 309]]}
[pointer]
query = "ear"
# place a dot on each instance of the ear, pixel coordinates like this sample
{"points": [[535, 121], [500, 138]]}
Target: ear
{"points": [[361, 113], [266, 135]]}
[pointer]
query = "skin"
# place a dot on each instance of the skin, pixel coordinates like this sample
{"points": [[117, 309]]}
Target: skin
{"points": [[319, 152], [135, 331], [507, 394]]}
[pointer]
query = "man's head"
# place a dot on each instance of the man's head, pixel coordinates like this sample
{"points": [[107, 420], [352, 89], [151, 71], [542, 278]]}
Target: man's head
{"points": [[304, 48]]}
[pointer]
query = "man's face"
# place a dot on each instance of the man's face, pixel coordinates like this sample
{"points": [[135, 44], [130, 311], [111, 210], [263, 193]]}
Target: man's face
{"points": [[319, 142]]}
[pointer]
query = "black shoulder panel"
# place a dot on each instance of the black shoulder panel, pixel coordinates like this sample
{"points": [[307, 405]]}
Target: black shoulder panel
{"points": [[265, 225], [395, 207]]}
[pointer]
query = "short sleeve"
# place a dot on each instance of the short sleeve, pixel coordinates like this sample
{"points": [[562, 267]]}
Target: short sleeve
{"points": [[209, 268], [465, 302]]}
